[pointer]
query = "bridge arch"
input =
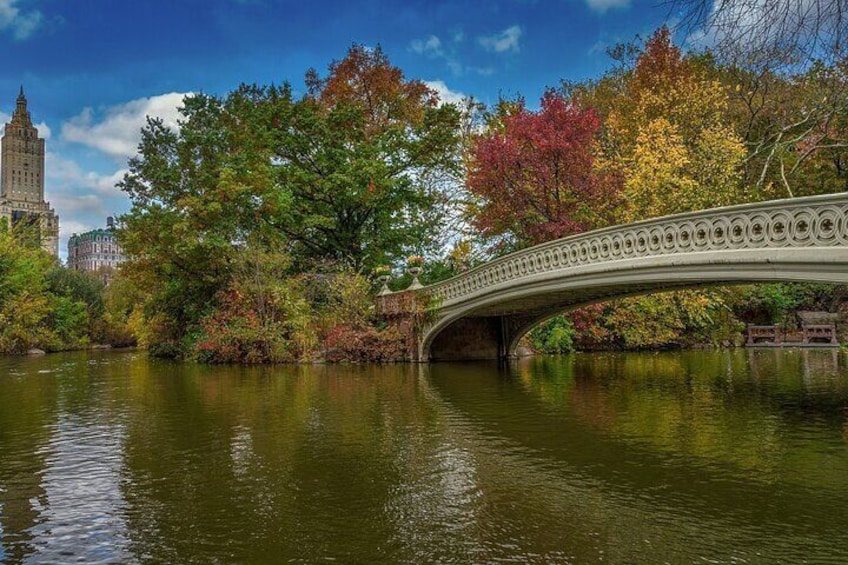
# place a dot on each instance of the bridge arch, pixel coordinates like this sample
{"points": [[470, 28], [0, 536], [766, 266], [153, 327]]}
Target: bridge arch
{"points": [[481, 314]]}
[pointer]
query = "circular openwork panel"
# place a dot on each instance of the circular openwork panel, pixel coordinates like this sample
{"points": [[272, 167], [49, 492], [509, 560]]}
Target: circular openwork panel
{"points": [[829, 221], [719, 228], [758, 224], [617, 245], [781, 228], [594, 250], [605, 247], [804, 224], [583, 252], [628, 244], [737, 231], [655, 239], [643, 240], [685, 236], [701, 234], [669, 238]]}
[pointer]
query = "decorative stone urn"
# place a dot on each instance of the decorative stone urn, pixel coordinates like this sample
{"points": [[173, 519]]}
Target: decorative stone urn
{"points": [[414, 267], [384, 275], [384, 279]]}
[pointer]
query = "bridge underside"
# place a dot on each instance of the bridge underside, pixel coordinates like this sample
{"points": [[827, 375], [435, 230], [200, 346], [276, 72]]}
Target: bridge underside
{"points": [[494, 333], [490, 325]]}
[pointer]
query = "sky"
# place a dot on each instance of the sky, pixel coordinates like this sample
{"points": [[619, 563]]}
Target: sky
{"points": [[93, 69]]}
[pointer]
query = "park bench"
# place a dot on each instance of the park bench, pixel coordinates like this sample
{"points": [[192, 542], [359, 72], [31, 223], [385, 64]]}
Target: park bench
{"points": [[763, 334]]}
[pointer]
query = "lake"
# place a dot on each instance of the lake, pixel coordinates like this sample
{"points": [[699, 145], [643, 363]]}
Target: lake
{"points": [[685, 457]]}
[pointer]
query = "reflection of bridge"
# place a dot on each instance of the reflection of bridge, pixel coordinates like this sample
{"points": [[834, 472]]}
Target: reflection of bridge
{"points": [[482, 313]]}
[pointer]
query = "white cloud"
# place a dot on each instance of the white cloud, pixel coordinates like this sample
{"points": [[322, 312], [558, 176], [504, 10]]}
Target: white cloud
{"points": [[430, 45], [507, 40], [74, 204], [63, 173], [601, 6], [117, 131], [82, 198], [20, 24], [445, 94], [435, 48], [70, 227]]}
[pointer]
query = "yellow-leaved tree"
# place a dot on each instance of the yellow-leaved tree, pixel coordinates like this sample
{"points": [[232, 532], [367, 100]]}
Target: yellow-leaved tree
{"points": [[669, 135]]}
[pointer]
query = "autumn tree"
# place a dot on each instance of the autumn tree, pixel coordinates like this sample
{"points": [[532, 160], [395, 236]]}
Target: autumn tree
{"points": [[670, 134], [336, 178], [357, 153], [793, 126], [536, 173], [785, 63]]}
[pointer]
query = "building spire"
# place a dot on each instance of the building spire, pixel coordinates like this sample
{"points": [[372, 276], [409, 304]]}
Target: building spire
{"points": [[21, 115]]}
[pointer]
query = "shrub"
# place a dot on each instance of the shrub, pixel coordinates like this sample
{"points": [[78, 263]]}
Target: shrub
{"points": [[553, 336], [364, 345], [238, 331]]}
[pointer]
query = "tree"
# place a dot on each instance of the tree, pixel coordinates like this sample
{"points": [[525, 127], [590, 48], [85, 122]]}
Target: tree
{"points": [[757, 32], [793, 125], [24, 304], [786, 63], [536, 173], [336, 178], [357, 153], [41, 304], [199, 194], [669, 133]]}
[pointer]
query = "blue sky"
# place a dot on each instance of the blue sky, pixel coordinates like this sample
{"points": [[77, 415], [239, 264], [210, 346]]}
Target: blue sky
{"points": [[92, 69]]}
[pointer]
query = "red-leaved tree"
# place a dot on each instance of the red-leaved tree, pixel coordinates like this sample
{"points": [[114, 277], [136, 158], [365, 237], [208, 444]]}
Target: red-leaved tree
{"points": [[536, 176]]}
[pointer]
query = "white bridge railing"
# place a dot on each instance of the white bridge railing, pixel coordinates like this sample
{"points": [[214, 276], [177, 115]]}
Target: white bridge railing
{"points": [[820, 221]]}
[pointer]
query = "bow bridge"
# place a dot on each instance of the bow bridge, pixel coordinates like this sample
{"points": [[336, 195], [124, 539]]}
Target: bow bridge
{"points": [[481, 314]]}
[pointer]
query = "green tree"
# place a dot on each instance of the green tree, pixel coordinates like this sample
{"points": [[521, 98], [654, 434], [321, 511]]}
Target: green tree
{"points": [[198, 194], [24, 303], [356, 154], [553, 336], [338, 177]]}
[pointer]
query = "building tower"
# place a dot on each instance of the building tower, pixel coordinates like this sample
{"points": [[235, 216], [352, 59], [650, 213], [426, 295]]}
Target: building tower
{"points": [[22, 178]]}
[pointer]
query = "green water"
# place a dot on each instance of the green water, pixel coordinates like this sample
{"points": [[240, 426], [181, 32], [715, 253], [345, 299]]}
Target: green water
{"points": [[699, 457]]}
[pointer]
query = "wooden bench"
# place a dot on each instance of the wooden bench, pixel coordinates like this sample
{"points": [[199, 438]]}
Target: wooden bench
{"points": [[821, 333], [763, 334]]}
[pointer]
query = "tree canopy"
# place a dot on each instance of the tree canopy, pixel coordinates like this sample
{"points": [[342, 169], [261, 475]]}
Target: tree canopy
{"points": [[536, 173], [338, 176]]}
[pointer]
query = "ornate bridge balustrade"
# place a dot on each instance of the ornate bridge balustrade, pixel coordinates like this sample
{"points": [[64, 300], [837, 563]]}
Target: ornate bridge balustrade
{"points": [[483, 313]]}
